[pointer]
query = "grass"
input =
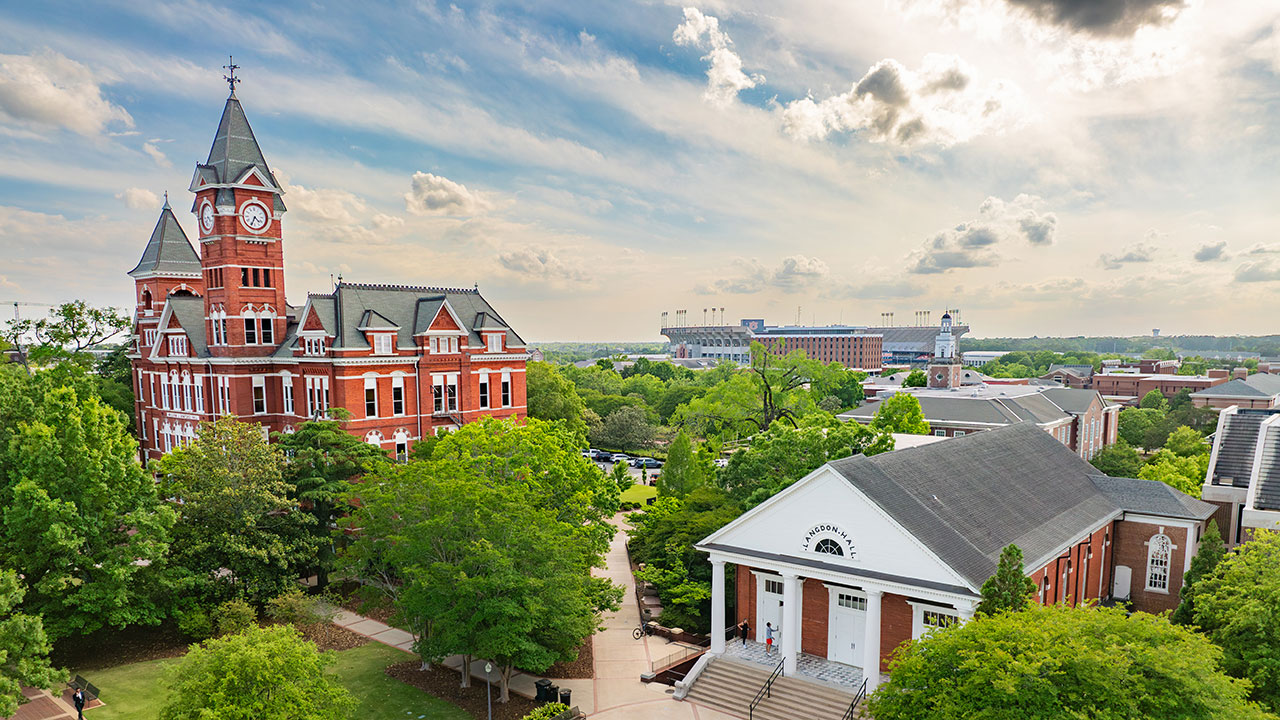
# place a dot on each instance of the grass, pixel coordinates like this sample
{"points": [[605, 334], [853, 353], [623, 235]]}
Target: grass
{"points": [[135, 691], [639, 493]]}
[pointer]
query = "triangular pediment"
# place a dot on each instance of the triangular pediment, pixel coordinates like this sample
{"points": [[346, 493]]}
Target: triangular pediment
{"points": [[824, 506], [312, 323], [445, 320]]}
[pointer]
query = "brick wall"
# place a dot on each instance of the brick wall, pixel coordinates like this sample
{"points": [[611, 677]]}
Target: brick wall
{"points": [[814, 609], [746, 596], [1130, 549], [895, 626]]}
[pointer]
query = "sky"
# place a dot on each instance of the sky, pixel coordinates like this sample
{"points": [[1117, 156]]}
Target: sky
{"points": [[1050, 167]]}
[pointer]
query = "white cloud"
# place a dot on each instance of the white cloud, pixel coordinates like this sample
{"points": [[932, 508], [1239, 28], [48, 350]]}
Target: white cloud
{"points": [[435, 195], [543, 264], [324, 204], [387, 222], [942, 103], [725, 78], [973, 243], [1136, 253], [156, 155], [46, 89], [1258, 271], [794, 273], [139, 199]]}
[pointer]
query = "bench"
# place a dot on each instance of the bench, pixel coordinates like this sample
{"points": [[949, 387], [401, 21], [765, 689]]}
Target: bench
{"points": [[79, 683]]}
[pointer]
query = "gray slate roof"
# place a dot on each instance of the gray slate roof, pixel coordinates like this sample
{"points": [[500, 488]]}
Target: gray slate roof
{"points": [[1235, 452], [190, 314], [969, 497], [1083, 371], [168, 250], [234, 151], [1256, 385], [1268, 496], [1149, 496], [1072, 400], [409, 308]]}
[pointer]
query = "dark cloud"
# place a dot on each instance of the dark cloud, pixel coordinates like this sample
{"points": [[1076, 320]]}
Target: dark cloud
{"points": [[1212, 251], [1101, 17], [973, 243], [1139, 253], [1039, 229]]}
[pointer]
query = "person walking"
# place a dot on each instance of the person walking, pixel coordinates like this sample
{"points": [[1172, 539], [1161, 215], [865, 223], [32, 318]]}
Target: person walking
{"points": [[78, 700], [768, 637], [744, 629]]}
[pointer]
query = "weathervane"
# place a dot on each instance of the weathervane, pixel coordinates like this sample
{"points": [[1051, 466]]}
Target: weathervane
{"points": [[231, 79]]}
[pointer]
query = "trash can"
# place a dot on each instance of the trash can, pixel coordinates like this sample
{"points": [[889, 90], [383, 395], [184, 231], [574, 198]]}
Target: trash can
{"points": [[564, 697], [543, 691], [553, 691]]}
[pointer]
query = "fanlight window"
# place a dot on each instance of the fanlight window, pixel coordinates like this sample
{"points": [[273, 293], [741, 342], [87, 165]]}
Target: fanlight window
{"points": [[827, 546]]}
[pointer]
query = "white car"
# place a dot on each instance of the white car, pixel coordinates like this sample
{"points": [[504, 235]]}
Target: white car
{"points": [[722, 462]]}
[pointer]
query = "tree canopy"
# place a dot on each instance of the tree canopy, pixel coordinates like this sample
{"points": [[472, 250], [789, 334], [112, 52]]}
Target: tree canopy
{"points": [[1009, 589], [915, 378], [901, 413], [1049, 663], [259, 673], [1118, 460], [65, 334], [1211, 552], [24, 648], [552, 397], [686, 468], [79, 519]]}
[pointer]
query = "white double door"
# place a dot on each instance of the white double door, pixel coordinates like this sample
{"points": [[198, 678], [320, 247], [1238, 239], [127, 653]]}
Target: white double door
{"points": [[846, 627], [770, 611]]}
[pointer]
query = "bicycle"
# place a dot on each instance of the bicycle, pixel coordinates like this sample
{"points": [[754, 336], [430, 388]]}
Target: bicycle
{"points": [[641, 631]]}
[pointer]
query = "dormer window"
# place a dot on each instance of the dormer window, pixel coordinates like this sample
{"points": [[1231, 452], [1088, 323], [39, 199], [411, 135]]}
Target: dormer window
{"points": [[495, 342], [382, 344], [149, 337], [313, 346], [178, 346], [444, 344]]}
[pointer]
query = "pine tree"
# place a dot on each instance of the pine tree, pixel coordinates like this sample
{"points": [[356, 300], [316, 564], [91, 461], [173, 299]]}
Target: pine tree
{"points": [[1211, 552], [1010, 588]]}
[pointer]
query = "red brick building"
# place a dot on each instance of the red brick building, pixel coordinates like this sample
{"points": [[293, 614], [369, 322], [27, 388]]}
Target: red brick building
{"points": [[866, 553], [214, 334], [1130, 388]]}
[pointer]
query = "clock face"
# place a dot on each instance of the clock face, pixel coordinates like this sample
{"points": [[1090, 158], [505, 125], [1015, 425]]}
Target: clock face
{"points": [[255, 218], [206, 217]]}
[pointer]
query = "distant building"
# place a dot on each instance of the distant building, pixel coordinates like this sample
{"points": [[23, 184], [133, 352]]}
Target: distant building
{"points": [[1243, 479], [855, 346], [1072, 376], [1079, 419], [1259, 391], [1130, 387], [978, 358]]}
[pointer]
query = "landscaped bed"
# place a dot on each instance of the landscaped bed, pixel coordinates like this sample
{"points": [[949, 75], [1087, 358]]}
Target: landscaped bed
{"points": [[442, 682]]}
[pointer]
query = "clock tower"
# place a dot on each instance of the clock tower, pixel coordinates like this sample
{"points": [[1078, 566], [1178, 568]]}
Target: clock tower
{"points": [[239, 209]]}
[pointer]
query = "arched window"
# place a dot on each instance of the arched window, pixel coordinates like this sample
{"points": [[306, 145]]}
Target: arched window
{"points": [[374, 438], [250, 326], [146, 299], [827, 546], [1159, 551]]}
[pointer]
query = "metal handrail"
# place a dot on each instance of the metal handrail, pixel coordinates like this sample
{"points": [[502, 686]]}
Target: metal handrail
{"points": [[857, 699], [685, 652], [765, 690]]}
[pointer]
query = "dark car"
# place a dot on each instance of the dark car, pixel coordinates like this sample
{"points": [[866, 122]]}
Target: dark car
{"points": [[646, 463]]}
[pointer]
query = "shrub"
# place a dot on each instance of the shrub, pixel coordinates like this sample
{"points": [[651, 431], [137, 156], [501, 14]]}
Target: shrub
{"points": [[195, 623], [233, 617], [295, 607], [547, 712]]}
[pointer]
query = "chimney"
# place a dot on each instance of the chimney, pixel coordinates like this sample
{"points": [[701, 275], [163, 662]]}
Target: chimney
{"points": [[1240, 373]]}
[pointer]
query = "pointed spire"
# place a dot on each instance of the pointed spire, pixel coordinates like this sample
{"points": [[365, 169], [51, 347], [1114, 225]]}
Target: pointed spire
{"points": [[168, 251], [166, 201], [235, 150]]}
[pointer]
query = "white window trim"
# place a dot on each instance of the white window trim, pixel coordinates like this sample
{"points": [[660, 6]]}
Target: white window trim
{"points": [[259, 384], [1157, 540]]}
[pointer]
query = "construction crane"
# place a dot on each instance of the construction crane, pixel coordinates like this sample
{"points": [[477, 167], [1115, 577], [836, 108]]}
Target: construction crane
{"points": [[17, 306]]}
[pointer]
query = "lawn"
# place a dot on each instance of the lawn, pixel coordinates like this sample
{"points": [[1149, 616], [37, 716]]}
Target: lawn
{"points": [[639, 493], [133, 691]]}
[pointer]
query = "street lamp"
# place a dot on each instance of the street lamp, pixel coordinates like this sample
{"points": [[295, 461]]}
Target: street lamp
{"points": [[488, 688]]}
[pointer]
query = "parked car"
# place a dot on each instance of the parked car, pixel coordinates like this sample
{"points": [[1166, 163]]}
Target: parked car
{"points": [[620, 457], [646, 463], [722, 462], [595, 454], [587, 454]]}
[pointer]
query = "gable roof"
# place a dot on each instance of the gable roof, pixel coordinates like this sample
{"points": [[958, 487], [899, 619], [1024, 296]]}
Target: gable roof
{"points": [[968, 498], [1072, 400], [235, 151], [1256, 385], [189, 313], [168, 250], [1150, 497], [407, 309], [1080, 371]]}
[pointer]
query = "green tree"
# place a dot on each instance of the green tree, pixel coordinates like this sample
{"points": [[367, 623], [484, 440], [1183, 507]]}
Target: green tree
{"points": [[1235, 605], [80, 521], [1185, 442], [1133, 424], [621, 476], [553, 397], [260, 673], [321, 461], [1047, 663], [24, 649], [627, 428], [770, 388], [782, 455], [1118, 460], [900, 413], [66, 333], [915, 378], [676, 395], [684, 470], [841, 383], [236, 513], [1181, 473], [1212, 551], [1009, 589], [1154, 400], [114, 378]]}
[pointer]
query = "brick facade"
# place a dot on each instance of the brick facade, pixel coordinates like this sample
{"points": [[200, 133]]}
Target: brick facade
{"points": [[1131, 549], [814, 612], [896, 617], [1137, 385]]}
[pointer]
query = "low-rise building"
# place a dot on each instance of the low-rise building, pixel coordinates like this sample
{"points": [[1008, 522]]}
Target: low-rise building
{"points": [[1243, 479], [1130, 387], [866, 553], [978, 358], [1261, 390], [1072, 376]]}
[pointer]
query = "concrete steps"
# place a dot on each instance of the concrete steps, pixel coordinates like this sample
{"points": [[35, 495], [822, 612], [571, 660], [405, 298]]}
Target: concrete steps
{"points": [[730, 686]]}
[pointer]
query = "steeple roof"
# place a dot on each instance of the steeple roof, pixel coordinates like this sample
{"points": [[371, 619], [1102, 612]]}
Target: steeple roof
{"points": [[235, 150], [168, 250]]}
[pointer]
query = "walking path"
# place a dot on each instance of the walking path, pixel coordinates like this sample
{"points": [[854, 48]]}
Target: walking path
{"points": [[615, 693]]}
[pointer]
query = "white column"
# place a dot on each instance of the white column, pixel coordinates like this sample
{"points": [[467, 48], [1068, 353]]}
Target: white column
{"points": [[965, 612], [871, 640], [790, 622], [717, 607]]}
